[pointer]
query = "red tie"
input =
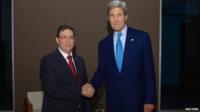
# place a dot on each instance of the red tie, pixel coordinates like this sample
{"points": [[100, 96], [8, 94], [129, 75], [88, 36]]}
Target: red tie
{"points": [[72, 67]]}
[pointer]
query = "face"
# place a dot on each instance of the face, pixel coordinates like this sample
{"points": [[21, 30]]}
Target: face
{"points": [[66, 40], [117, 18]]}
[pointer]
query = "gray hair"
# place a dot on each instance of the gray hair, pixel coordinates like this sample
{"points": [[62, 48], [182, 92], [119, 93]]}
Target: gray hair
{"points": [[117, 3]]}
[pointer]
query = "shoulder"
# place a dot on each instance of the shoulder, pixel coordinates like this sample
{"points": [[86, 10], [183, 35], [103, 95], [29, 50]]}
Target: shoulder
{"points": [[106, 40], [51, 56], [138, 34], [136, 31], [78, 57]]}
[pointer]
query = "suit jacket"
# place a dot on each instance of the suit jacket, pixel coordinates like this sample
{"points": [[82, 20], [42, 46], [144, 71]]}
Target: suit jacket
{"points": [[129, 90], [62, 92]]}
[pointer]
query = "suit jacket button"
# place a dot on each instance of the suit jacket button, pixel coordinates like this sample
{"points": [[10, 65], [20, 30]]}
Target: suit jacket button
{"points": [[79, 106]]}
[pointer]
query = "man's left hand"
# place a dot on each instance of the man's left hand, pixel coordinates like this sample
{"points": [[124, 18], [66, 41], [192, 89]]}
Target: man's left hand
{"points": [[149, 107]]}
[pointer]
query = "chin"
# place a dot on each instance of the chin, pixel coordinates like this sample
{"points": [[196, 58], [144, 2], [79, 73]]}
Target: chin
{"points": [[117, 29]]}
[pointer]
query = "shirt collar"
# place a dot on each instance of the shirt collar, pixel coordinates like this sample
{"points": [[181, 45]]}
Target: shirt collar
{"points": [[124, 30], [65, 55]]}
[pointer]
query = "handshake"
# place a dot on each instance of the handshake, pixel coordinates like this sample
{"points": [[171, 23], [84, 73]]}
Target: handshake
{"points": [[88, 90]]}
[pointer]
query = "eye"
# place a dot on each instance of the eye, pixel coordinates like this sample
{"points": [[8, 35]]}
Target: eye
{"points": [[111, 15], [120, 15]]}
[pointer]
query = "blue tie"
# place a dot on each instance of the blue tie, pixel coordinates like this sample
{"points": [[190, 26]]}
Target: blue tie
{"points": [[119, 52]]}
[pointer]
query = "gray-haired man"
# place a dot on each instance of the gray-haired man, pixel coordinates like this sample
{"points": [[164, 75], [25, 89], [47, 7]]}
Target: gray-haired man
{"points": [[125, 63]]}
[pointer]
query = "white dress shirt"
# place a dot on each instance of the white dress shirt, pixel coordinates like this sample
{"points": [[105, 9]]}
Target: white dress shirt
{"points": [[65, 55]]}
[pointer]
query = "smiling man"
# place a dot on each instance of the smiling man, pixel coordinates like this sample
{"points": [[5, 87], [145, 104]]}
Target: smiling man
{"points": [[62, 74], [125, 63]]}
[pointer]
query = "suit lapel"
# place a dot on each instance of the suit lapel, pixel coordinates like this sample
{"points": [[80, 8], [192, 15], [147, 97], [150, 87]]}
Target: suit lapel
{"points": [[78, 70], [112, 58], [76, 62], [128, 45], [65, 67], [111, 50], [130, 40]]}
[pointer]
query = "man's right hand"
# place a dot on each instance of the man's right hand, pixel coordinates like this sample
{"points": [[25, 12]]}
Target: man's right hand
{"points": [[88, 90]]}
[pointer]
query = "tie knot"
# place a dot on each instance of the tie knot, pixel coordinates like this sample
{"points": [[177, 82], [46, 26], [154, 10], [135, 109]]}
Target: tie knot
{"points": [[69, 57], [119, 34]]}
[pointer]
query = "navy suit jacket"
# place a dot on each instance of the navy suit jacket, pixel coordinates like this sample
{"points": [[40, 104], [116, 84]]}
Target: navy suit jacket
{"points": [[62, 92], [135, 86]]}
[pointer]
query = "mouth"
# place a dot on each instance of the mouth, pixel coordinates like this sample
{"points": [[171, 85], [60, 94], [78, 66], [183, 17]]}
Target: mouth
{"points": [[67, 45], [115, 24]]}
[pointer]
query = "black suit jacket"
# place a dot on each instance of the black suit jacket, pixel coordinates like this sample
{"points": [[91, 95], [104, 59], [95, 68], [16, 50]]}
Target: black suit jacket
{"points": [[62, 92]]}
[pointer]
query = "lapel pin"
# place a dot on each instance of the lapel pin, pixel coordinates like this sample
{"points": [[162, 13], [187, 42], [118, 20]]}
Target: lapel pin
{"points": [[132, 39]]}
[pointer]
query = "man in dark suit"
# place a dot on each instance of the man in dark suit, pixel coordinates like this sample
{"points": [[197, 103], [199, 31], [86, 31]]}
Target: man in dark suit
{"points": [[125, 63], [62, 74]]}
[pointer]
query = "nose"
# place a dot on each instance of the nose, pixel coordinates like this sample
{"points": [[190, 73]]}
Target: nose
{"points": [[67, 40], [115, 19]]}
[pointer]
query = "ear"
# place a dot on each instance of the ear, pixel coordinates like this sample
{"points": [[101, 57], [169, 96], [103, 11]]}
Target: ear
{"points": [[57, 40], [126, 17]]}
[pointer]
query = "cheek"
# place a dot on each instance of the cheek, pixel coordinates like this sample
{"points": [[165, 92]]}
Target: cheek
{"points": [[72, 41], [113, 24], [111, 21]]}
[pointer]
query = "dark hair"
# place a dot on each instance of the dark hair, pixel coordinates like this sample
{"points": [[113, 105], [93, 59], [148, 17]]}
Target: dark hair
{"points": [[64, 27]]}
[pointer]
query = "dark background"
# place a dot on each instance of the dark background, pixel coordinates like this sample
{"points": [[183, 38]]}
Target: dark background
{"points": [[180, 74], [6, 57]]}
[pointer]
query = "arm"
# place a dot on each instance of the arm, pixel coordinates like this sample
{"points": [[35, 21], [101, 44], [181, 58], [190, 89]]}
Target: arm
{"points": [[84, 71], [150, 84], [88, 89], [87, 105], [100, 72]]}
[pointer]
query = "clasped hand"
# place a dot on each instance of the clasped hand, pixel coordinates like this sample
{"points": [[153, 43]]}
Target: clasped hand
{"points": [[88, 90]]}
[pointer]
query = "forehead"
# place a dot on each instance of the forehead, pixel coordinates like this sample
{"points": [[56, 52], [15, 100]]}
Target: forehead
{"points": [[116, 10], [66, 32]]}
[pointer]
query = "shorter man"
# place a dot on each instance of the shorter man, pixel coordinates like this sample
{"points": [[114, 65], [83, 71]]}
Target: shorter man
{"points": [[62, 74]]}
